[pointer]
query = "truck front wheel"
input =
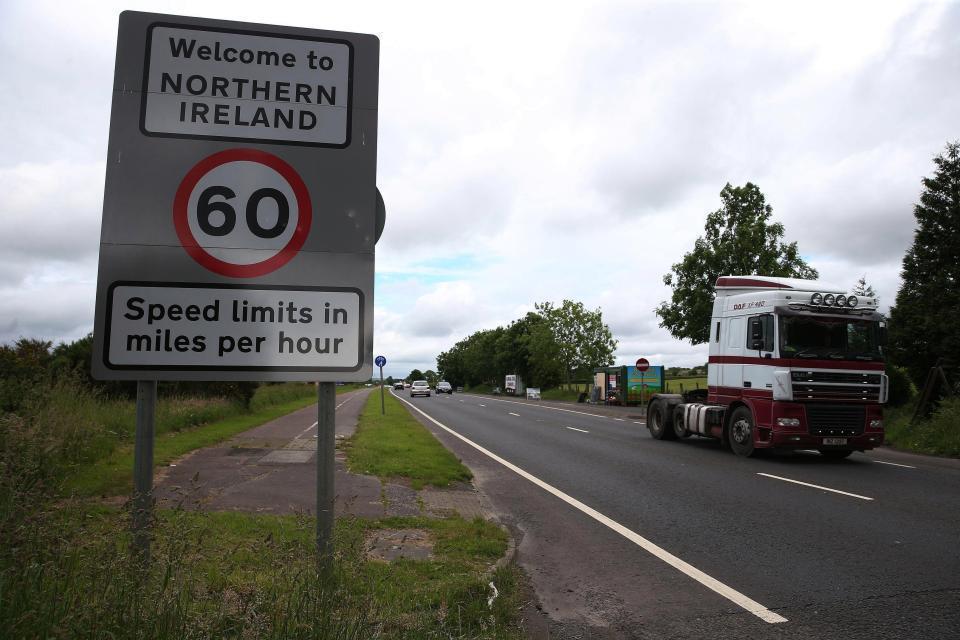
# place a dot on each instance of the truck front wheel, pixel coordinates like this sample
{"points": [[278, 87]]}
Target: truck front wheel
{"points": [[741, 432], [658, 414]]}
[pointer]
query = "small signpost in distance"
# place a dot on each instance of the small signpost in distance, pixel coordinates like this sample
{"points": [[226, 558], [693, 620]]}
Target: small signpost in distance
{"points": [[642, 366]]}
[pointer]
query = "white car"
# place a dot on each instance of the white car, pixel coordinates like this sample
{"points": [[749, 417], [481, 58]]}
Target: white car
{"points": [[420, 388]]}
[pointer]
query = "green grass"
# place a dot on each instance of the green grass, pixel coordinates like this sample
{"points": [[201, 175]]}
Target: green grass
{"points": [[233, 575], [938, 435], [680, 385], [566, 395], [113, 473], [395, 445]]}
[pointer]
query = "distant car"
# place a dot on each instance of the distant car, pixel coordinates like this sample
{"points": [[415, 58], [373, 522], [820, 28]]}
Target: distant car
{"points": [[444, 387], [420, 388], [398, 385]]}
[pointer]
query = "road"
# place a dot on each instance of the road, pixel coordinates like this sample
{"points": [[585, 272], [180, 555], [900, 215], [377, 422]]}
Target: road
{"points": [[624, 536]]}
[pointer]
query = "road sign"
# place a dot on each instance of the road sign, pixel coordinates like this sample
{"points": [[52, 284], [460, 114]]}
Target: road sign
{"points": [[240, 209], [242, 197], [643, 364], [380, 361]]}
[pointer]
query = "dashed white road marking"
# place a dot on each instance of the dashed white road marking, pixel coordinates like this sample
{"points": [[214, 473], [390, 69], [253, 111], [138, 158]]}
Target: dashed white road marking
{"points": [[514, 414], [894, 464], [543, 406], [815, 486], [580, 430], [483, 405], [619, 419], [731, 594], [315, 424]]}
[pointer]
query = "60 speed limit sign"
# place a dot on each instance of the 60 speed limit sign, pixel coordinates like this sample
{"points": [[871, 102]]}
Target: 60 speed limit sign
{"points": [[242, 198]]}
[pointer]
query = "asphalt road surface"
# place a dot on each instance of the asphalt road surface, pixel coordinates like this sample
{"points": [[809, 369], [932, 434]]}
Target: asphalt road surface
{"points": [[624, 536]]}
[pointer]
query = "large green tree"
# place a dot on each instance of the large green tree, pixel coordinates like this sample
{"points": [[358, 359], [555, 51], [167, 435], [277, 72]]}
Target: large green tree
{"points": [[925, 319], [738, 239], [582, 339]]}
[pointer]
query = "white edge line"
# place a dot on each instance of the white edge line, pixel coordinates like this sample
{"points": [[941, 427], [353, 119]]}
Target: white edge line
{"points": [[580, 430], [815, 486], [746, 603], [894, 464]]}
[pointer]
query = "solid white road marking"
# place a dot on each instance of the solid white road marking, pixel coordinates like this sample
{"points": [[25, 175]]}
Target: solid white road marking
{"points": [[483, 405], [580, 430], [815, 486], [619, 419], [635, 422], [687, 569], [894, 464], [514, 414]]}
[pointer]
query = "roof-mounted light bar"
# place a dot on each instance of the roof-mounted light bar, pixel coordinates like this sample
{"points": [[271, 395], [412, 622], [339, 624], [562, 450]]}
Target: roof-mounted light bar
{"points": [[831, 300]]}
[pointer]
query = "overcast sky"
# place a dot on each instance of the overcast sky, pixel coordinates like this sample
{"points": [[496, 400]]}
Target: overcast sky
{"points": [[530, 151]]}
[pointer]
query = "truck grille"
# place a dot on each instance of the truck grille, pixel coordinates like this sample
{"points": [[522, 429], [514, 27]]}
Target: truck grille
{"points": [[836, 419], [835, 385]]}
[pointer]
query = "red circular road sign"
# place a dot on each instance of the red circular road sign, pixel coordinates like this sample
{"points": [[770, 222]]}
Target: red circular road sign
{"points": [[222, 203], [643, 364]]}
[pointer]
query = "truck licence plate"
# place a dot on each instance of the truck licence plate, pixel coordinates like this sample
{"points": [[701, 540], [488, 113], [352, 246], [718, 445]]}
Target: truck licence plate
{"points": [[834, 441]]}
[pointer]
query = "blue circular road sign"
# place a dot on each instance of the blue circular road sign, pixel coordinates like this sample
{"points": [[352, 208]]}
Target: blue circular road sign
{"points": [[380, 361]]}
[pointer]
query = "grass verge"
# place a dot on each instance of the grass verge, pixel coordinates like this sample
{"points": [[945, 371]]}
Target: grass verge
{"points": [[395, 445], [232, 575], [938, 435], [112, 474]]}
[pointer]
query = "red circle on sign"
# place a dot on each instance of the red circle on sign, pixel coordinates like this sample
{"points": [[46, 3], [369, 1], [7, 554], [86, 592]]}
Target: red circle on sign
{"points": [[198, 253], [642, 365]]}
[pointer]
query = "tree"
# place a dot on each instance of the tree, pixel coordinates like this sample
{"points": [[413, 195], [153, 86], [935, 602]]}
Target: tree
{"points": [[925, 318], [416, 374], [738, 239], [582, 340], [864, 290]]}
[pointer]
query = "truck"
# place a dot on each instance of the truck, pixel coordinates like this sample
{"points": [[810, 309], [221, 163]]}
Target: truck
{"points": [[793, 364]]}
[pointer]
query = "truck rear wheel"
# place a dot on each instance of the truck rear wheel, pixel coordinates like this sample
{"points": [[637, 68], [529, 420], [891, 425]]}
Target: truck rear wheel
{"points": [[741, 431], [658, 421]]}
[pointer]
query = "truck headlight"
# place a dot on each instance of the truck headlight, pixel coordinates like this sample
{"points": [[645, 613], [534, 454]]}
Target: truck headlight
{"points": [[816, 299], [852, 301], [788, 422], [829, 299], [876, 424], [841, 300]]}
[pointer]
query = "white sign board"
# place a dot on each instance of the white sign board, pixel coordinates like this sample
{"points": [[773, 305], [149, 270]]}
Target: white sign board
{"points": [[220, 84], [208, 328]]}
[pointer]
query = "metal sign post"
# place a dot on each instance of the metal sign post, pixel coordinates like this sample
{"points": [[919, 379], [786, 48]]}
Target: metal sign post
{"points": [[143, 469], [642, 365], [380, 361], [326, 446]]}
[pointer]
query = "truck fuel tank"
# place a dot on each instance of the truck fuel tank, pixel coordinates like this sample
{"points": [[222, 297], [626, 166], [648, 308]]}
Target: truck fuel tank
{"points": [[702, 419]]}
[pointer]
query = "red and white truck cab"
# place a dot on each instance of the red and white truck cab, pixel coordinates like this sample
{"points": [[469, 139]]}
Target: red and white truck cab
{"points": [[794, 364]]}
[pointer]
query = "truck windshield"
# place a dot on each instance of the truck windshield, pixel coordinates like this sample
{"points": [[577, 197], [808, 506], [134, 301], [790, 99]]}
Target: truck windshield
{"points": [[831, 338]]}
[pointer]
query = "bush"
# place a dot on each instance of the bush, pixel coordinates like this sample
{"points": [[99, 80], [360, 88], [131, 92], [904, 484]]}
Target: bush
{"points": [[901, 387]]}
